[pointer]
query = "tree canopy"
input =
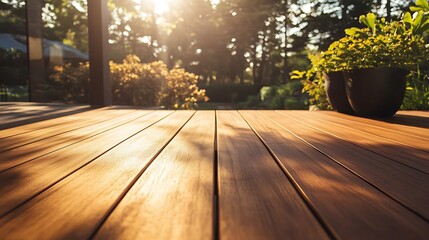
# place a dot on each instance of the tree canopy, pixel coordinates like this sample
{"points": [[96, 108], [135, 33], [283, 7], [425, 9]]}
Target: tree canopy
{"points": [[223, 41]]}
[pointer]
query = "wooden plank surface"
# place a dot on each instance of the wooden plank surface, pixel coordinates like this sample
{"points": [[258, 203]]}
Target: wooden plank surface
{"points": [[406, 185], [16, 114], [397, 123], [223, 175], [347, 203], [382, 146], [256, 200], [25, 181], [424, 114], [34, 150], [50, 123], [173, 199], [49, 132], [87, 196], [393, 136]]}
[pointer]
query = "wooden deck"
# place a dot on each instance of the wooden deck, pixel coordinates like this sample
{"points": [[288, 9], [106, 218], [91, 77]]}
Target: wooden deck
{"points": [[115, 173]]}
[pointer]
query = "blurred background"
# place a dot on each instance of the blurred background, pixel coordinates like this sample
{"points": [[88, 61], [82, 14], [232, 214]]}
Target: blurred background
{"points": [[220, 53]]}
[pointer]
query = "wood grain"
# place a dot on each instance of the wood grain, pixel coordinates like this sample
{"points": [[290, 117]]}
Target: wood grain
{"points": [[382, 146], [16, 114], [256, 200], [31, 151], [58, 130], [344, 201], [51, 123], [173, 199], [399, 123], [415, 113], [120, 174], [87, 196], [407, 185], [26, 181], [394, 136]]}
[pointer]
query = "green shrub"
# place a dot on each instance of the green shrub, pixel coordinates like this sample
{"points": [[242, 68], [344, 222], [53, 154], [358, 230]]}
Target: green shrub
{"points": [[381, 44], [313, 83], [231, 92], [182, 91], [417, 93], [68, 83], [13, 67], [288, 96], [133, 83]]}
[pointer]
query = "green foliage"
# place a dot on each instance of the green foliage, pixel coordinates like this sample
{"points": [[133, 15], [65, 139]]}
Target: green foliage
{"points": [[381, 44], [315, 89], [417, 93], [420, 23], [182, 91], [231, 92], [421, 5], [313, 83], [288, 96], [68, 83], [133, 83], [13, 67]]}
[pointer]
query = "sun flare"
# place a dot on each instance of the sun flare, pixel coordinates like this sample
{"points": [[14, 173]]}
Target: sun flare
{"points": [[160, 6]]}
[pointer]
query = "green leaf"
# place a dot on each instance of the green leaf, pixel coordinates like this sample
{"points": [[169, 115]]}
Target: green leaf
{"points": [[423, 4], [352, 31], [408, 18], [415, 9], [417, 23], [369, 21]]}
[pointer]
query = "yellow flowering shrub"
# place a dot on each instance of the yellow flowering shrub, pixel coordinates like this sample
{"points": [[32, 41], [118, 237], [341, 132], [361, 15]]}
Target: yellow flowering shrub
{"points": [[69, 83], [135, 83], [182, 91]]}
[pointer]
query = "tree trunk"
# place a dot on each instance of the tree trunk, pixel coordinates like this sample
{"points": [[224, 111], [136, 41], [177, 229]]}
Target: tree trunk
{"points": [[285, 77], [263, 61], [389, 10], [241, 62]]}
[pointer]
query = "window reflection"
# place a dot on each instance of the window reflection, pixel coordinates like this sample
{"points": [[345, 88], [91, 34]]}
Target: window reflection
{"points": [[13, 51]]}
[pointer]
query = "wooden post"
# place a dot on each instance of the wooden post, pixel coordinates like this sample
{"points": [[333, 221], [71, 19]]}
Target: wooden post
{"points": [[100, 94], [36, 64]]}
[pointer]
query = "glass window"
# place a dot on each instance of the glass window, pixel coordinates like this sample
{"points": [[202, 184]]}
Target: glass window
{"points": [[13, 51]]}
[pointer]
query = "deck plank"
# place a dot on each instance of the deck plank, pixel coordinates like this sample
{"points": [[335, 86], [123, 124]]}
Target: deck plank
{"points": [[256, 200], [173, 199], [34, 150], [87, 196], [16, 114], [49, 132], [399, 123], [410, 140], [50, 123], [406, 185], [347, 203], [25, 181], [382, 146], [424, 114], [238, 175]]}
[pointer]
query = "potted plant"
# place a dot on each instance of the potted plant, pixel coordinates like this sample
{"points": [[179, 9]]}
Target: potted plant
{"points": [[365, 71], [375, 61]]}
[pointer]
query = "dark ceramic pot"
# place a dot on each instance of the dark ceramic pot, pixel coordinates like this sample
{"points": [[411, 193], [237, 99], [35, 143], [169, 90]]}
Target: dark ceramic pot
{"points": [[375, 92], [336, 92]]}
